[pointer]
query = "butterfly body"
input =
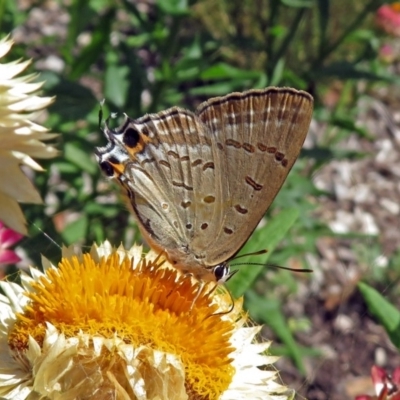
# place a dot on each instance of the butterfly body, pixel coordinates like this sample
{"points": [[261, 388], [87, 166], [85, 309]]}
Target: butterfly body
{"points": [[199, 183]]}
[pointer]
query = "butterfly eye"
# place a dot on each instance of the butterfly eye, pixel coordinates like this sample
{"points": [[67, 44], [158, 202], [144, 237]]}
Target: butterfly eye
{"points": [[222, 272]]}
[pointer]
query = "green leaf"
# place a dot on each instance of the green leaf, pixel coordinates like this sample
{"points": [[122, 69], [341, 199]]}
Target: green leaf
{"points": [[298, 3], [95, 49], [387, 314], [268, 237], [79, 13], [349, 123], [74, 101], [141, 17], [347, 70], [75, 231], [277, 72], [269, 311], [323, 9], [278, 31], [116, 84], [137, 79], [174, 7], [67, 167], [223, 71], [217, 89], [79, 157], [105, 210]]}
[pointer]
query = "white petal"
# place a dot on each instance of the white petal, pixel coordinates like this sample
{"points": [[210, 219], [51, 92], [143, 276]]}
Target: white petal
{"points": [[11, 214], [5, 45]]}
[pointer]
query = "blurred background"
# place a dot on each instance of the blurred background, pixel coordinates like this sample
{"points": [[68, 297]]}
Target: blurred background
{"points": [[338, 212]]}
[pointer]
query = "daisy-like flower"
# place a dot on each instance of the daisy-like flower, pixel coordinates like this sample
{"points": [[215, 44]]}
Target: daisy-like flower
{"points": [[387, 387], [20, 138], [112, 324]]}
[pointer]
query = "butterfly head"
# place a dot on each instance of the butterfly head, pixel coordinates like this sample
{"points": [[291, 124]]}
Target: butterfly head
{"points": [[222, 272], [219, 273]]}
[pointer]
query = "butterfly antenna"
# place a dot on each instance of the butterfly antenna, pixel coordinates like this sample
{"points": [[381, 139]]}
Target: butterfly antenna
{"points": [[256, 253], [263, 251], [277, 267], [305, 270]]}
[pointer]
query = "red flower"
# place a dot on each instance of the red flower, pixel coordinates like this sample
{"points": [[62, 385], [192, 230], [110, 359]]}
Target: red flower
{"points": [[8, 237], [386, 387]]}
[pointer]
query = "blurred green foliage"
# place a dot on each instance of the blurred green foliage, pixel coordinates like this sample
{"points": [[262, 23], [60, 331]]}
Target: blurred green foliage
{"points": [[386, 313], [147, 56]]}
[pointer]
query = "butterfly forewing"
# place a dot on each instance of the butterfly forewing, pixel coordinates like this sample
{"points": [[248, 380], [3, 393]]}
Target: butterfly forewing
{"points": [[163, 180], [199, 183]]}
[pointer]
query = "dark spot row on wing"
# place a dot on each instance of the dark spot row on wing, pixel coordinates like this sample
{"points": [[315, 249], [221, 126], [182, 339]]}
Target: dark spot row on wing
{"points": [[195, 163], [233, 143], [280, 157], [250, 181], [165, 163], [204, 226], [240, 209], [147, 161], [173, 154], [186, 204], [209, 199], [237, 145], [249, 147], [182, 185], [208, 164]]}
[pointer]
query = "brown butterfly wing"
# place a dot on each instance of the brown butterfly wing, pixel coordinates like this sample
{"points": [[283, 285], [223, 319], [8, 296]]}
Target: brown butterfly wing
{"points": [[199, 184]]}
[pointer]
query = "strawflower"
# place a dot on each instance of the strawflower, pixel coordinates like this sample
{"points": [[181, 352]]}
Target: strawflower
{"points": [[387, 387], [113, 324], [20, 138]]}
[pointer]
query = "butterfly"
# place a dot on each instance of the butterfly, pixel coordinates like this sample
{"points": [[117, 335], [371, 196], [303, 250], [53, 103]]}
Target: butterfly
{"points": [[198, 183]]}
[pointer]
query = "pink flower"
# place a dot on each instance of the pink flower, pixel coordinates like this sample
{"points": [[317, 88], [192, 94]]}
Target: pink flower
{"points": [[387, 54], [8, 237], [386, 387], [388, 18]]}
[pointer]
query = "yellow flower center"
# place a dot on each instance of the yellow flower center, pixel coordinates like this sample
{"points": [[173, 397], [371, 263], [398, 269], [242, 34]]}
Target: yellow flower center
{"points": [[143, 305]]}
